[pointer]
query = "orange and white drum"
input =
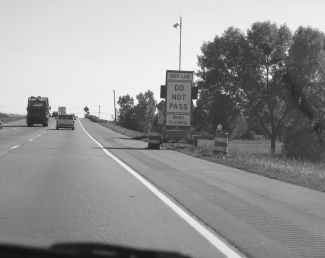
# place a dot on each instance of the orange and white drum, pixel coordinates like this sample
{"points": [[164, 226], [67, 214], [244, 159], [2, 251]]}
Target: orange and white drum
{"points": [[221, 142]]}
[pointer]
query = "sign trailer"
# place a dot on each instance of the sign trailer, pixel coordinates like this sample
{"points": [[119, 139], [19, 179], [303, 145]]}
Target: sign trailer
{"points": [[175, 113]]}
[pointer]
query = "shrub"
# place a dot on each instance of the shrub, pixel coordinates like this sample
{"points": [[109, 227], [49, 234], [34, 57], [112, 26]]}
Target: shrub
{"points": [[239, 127], [302, 143], [92, 118], [205, 151], [250, 135]]}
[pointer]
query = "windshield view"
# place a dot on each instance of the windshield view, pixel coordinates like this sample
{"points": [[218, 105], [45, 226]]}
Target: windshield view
{"points": [[149, 128]]}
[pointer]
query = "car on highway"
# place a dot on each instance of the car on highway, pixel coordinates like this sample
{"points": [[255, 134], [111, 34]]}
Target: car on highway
{"points": [[1, 124], [55, 114], [65, 121]]}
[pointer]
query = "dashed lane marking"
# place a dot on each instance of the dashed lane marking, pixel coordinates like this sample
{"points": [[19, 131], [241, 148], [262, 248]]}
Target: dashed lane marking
{"points": [[208, 234], [16, 146]]}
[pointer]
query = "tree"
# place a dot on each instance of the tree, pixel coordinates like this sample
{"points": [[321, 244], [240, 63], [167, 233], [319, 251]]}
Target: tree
{"points": [[200, 115], [249, 68], [305, 78], [127, 112], [306, 71], [145, 110], [271, 43], [216, 108]]}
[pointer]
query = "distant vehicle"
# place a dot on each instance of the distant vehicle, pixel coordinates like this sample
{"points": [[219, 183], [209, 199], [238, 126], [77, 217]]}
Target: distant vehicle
{"points": [[74, 116], [38, 111], [62, 110], [65, 121], [1, 124], [55, 114]]}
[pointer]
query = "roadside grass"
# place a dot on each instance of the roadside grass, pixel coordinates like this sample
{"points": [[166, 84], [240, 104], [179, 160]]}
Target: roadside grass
{"points": [[252, 156], [131, 133], [10, 118]]}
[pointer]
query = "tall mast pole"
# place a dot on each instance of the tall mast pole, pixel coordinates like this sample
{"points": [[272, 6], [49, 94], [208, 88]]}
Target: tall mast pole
{"points": [[180, 43]]}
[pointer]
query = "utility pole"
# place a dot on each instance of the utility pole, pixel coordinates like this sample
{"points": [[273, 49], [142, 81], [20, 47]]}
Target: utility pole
{"points": [[114, 107], [99, 111]]}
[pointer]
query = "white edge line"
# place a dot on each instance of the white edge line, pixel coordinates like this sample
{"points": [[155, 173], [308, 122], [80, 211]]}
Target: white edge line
{"points": [[205, 232], [14, 147]]}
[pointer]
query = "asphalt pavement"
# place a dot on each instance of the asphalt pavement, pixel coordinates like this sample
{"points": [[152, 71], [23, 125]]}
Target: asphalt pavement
{"points": [[59, 186], [90, 185]]}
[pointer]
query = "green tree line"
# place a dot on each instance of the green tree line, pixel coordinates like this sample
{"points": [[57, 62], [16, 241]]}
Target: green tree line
{"points": [[138, 116], [267, 80], [272, 78]]}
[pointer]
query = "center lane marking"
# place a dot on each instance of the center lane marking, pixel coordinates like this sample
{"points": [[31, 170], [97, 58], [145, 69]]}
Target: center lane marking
{"points": [[14, 147], [204, 231]]}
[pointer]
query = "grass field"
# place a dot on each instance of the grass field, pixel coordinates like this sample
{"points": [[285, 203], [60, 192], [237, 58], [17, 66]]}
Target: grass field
{"points": [[253, 156], [10, 118], [124, 131]]}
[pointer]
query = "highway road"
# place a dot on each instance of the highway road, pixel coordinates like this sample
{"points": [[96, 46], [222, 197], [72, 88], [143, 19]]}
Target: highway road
{"points": [[93, 184]]}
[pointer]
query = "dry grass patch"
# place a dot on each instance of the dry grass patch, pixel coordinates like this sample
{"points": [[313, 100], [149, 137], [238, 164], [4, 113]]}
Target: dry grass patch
{"points": [[124, 131], [252, 156], [10, 118]]}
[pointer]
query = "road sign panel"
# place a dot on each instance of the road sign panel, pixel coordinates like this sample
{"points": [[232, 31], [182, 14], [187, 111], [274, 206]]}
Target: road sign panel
{"points": [[179, 76], [178, 119], [161, 105], [179, 97]]}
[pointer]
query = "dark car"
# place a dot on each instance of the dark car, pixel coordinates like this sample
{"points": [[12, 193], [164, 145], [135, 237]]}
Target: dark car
{"points": [[55, 114]]}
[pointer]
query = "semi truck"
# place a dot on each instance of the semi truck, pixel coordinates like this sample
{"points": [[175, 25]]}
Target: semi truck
{"points": [[38, 111], [62, 110]]}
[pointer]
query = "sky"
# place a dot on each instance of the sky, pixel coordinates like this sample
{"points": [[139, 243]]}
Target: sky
{"points": [[76, 52]]}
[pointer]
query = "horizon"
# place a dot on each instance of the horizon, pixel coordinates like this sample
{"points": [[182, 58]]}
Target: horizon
{"points": [[77, 52]]}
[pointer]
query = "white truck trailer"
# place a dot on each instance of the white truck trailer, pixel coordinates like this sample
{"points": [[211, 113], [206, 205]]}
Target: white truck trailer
{"points": [[62, 110]]}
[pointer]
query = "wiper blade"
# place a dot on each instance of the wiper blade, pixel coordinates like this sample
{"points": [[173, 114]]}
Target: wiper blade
{"points": [[82, 250]]}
